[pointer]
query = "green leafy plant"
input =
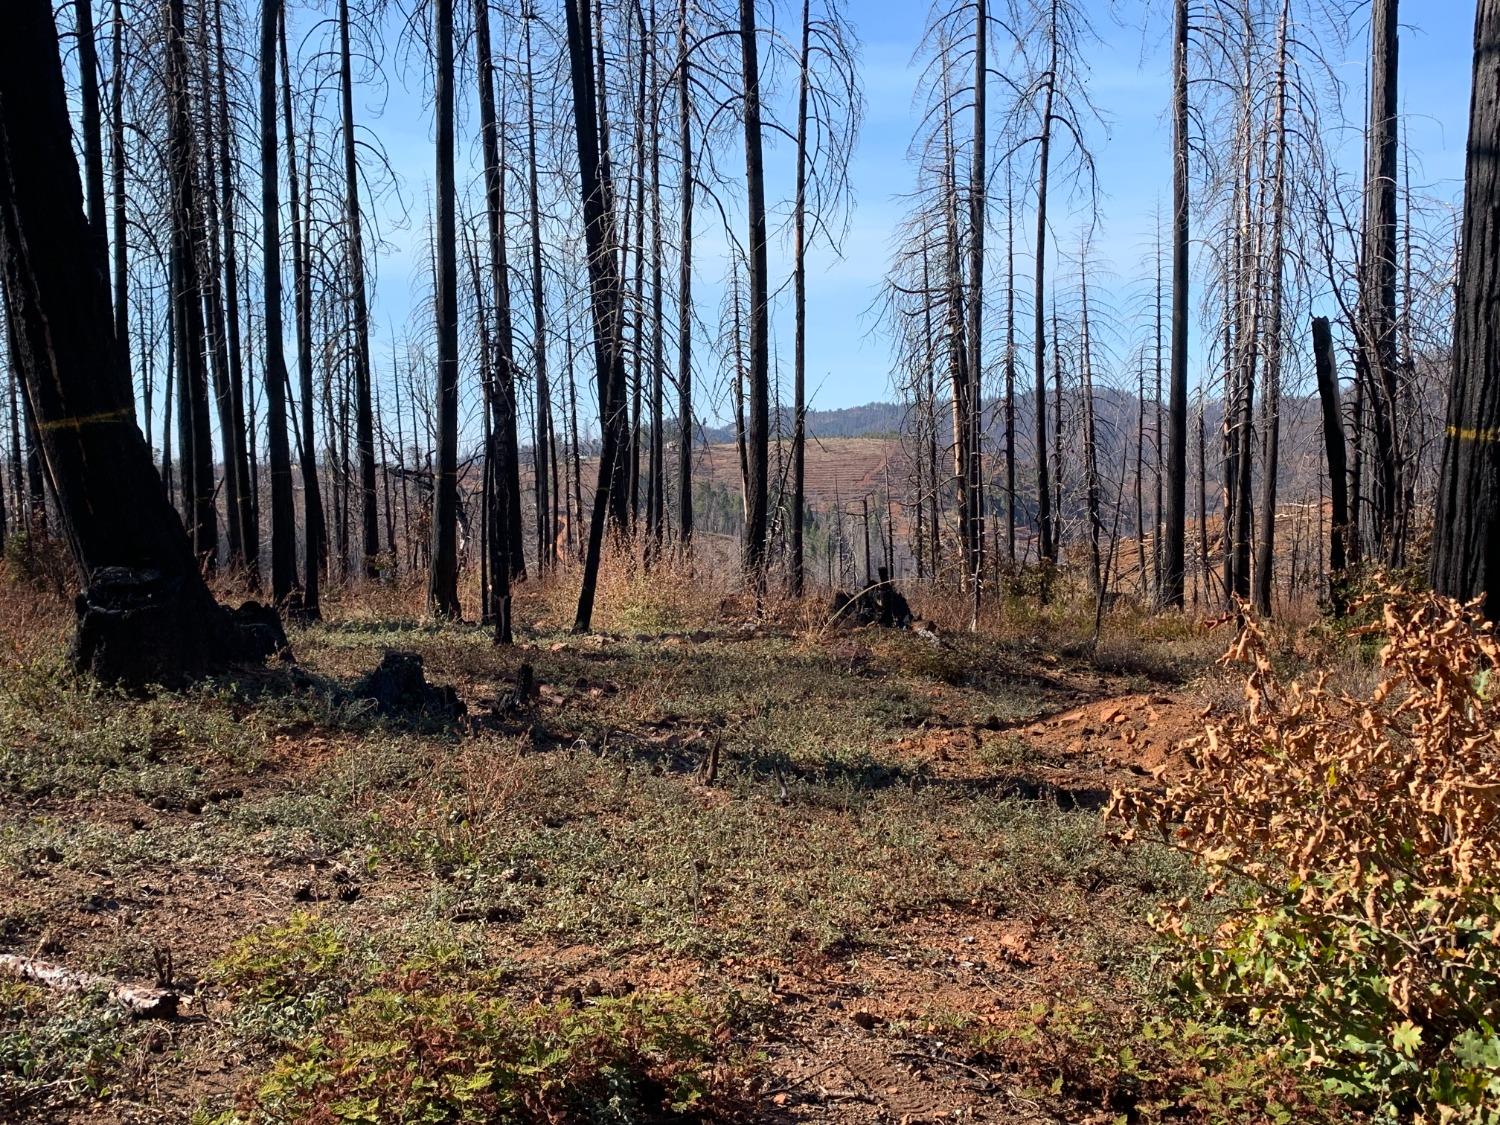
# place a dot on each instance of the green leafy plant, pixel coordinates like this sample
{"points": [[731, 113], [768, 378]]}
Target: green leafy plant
{"points": [[282, 979], [52, 1051], [413, 1050], [1145, 1068]]}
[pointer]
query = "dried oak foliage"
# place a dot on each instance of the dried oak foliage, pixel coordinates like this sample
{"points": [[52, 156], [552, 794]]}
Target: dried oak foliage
{"points": [[1357, 844]]}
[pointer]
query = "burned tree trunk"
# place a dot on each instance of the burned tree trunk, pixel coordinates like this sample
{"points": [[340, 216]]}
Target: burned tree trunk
{"points": [[506, 448], [315, 531], [973, 385], [364, 415], [442, 589], [604, 292], [799, 305], [146, 615], [194, 428], [685, 293], [1377, 288], [246, 514], [1338, 469], [1175, 556], [1466, 538], [758, 435], [1047, 541], [543, 443]]}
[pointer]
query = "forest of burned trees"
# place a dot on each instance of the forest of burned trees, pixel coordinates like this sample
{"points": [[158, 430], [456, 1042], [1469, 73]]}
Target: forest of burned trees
{"points": [[1262, 409], [1079, 439]]}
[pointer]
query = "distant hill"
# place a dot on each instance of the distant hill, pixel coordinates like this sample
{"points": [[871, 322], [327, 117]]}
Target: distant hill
{"points": [[874, 419], [851, 450]]}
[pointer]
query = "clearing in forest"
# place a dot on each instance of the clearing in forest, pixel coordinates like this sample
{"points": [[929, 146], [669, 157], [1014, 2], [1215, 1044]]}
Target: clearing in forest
{"points": [[775, 871]]}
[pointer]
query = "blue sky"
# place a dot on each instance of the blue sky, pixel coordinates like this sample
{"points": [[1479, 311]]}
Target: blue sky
{"points": [[848, 357]]}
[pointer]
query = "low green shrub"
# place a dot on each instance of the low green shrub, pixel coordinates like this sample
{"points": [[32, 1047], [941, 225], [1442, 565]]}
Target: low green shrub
{"points": [[283, 979], [1145, 1068], [55, 1050], [413, 1050]]}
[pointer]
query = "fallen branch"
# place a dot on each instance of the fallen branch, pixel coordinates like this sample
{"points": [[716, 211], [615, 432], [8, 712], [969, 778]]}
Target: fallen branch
{"points": [[141, 1002]]}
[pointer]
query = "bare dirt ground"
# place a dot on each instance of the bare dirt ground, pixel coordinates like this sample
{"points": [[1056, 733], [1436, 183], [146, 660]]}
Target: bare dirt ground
{"points": [[882, 853]]}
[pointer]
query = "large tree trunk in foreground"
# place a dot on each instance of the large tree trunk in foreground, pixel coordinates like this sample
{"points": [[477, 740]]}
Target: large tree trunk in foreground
{"points": [[1466, 539], [500, 453], [146, 615]]}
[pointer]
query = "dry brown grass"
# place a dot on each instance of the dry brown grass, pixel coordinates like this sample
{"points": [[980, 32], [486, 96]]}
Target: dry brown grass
{"points": [[35, 621]]}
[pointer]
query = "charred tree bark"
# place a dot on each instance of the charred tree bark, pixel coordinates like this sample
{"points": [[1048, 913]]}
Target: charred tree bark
{"points": [[1010, 369], [1466, 537], [1175, 554], [230, 436], [364, 416], [619, 418], [283, 515], [1265, 549], [90, 118], [604, 292], [799, 305], [442, 587], [244, 514], [1333, 441], [503, 400], [1377, 290], [542, 443], [120, 247], [1047, 543], [685, 290], [656, 505], [978, 214], [758, 435], [146, 615], [314, 525], [194, 429]]}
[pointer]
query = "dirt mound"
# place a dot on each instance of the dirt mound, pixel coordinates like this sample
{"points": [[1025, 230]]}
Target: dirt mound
{"points": [[1077, 756], [1139, 734]]}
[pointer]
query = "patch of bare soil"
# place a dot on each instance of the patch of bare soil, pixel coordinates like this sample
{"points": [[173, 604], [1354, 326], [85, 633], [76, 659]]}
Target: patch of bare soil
{"points": [[1137, 735], [870, 1036], [1077, 757]]}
